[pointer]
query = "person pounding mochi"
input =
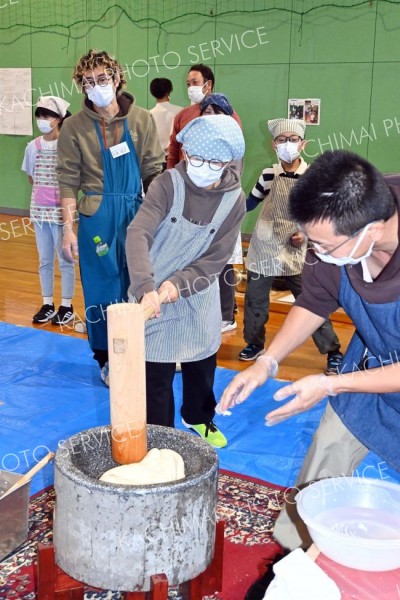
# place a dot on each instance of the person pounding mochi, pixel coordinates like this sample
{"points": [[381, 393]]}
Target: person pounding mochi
{"points": [[180, 240]]}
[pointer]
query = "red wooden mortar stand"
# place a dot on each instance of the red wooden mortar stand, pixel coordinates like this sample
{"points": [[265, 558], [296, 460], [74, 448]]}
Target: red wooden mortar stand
{"points": [[126, 350], [54, 584]]}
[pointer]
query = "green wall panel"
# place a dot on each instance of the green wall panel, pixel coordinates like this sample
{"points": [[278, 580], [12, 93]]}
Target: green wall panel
{"points": [[138, 87], [178, 42], [252, 39], [387, 47], [15, 189], [55, 50], [131, 43], [344, 85], [384, 151], [16, 55], [346, 55], [333, 35]]}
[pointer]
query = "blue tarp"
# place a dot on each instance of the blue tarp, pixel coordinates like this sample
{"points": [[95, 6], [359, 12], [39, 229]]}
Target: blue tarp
{"points": [[50, 388]]}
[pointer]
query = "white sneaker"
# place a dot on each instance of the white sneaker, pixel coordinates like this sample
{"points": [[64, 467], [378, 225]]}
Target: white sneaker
{"points": [[105, 374], [80, 327], [228, 326]]}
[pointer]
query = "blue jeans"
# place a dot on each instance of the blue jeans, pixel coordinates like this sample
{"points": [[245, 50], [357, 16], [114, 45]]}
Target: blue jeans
{"points": [[49, 241]]}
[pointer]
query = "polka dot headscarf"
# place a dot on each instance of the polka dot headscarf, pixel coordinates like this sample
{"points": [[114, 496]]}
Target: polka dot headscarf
{"points": [[216, 137]]}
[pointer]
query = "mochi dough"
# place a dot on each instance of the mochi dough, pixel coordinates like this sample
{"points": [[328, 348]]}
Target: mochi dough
{"points": [[158, 466]]}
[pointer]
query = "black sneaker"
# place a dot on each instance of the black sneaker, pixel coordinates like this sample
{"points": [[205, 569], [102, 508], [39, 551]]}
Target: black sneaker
{"points": [[334, 363], [251, 352], [44, 314], [259, 587], [64, 315]]}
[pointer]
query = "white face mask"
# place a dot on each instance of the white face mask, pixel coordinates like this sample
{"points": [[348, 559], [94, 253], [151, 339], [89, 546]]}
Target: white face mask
{"points": [[348, 260], [288, 151], [203, 176], [196, 94], [101, 96], [45, 126]]}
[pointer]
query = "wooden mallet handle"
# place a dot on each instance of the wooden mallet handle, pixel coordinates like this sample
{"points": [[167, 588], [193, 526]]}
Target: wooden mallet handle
{"points": [[127, 363], [149, 310], [126, 356]]}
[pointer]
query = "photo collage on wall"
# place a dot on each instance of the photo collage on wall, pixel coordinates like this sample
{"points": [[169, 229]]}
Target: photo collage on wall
{"points": [[308, 109]]}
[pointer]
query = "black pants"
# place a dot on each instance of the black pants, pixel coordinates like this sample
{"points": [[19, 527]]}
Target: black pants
{"points": [[227, 292], [101, 356], [198, 400], [256, 312]]}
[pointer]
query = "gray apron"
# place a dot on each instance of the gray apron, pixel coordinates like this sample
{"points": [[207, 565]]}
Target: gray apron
{"points": [[189, 329], [270, 252]]}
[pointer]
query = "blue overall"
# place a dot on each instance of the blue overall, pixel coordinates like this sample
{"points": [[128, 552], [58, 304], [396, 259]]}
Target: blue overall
{"points": [[374, 419], [105, 279]]}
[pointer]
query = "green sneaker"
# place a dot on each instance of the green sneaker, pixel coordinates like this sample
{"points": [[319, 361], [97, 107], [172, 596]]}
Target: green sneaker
{"points": [[210, 433]]}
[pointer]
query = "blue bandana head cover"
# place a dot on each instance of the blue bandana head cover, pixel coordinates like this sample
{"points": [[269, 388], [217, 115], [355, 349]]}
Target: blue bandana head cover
{"points": [[219, 100], [213, 137]]}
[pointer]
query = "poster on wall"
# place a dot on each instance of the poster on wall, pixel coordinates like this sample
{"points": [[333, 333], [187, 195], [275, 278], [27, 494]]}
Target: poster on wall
{"points": [[308, 109], [16, 101]]}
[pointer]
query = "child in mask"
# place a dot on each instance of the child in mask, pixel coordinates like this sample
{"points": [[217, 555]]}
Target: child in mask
{"points": [[40, 165], [277, 248], [179, 242]]}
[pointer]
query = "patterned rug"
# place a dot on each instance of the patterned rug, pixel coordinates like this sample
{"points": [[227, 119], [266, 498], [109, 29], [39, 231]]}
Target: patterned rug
{"points": [[248, 506]]}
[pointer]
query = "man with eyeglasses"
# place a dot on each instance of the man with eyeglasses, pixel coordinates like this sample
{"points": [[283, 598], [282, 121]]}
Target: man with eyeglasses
{"points": [[200, 84], [350, 213], [107, 152], [277, 247]]}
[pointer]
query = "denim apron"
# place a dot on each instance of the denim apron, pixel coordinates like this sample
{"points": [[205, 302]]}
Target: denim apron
{"points": [[190, 329], [374, 419], [270, 252], [105, 279]]}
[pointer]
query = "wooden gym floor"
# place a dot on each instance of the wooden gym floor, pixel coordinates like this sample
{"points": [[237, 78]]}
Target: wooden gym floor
{"points": [[20, 298]]}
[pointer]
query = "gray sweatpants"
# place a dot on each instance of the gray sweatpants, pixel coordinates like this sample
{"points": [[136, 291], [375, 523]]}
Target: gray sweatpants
{"points": [[334, 451]]}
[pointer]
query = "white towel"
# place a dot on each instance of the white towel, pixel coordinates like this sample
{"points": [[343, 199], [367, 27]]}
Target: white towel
{"points": [[297, 577]]}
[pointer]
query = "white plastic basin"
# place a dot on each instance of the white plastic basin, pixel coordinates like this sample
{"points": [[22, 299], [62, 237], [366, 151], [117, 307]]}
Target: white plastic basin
{"points": [[354, 521]]}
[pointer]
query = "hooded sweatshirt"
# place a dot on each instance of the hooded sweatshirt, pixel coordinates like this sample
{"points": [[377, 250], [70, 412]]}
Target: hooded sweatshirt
{"points": [[80, 163], [200, 207]]}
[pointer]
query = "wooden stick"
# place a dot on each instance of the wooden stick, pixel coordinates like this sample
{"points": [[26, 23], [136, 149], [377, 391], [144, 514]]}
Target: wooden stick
{"points": [[313, 552], [28, 476], [149, 310]]}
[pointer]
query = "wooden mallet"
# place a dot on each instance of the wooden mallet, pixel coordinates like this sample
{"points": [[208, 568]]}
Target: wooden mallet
{"points": [[127, 364]]}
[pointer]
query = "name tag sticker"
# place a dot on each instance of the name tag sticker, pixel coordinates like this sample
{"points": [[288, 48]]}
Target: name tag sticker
{"points": [[119, 150]]}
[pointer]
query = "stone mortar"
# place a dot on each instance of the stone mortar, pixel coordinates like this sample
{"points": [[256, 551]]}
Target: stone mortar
{"points": [[115, 537]]}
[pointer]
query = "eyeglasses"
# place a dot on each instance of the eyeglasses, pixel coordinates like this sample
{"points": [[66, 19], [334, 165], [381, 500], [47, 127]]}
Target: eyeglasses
{"points": [[102, 81], [198, 161], [282, 139], [320, 247]]}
